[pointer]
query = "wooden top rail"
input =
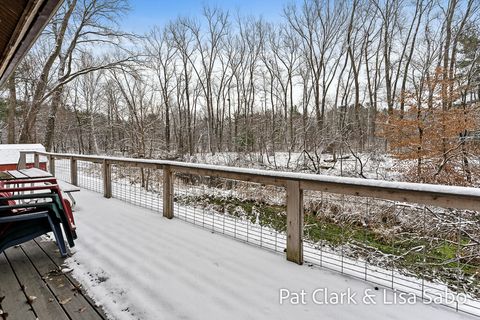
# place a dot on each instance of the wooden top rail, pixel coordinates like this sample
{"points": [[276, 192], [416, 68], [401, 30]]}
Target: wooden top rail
{"points": [[427, 194]]}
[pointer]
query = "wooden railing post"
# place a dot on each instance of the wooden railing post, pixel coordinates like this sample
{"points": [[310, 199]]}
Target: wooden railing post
{"points": [[294, 222], [73, 171], [36, 160], [51, 164], [107, 179], [22, 162], [167, 192]]}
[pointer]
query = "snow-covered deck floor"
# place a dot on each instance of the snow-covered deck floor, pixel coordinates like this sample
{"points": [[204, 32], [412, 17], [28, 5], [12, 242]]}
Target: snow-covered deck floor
{"points": [[139, 265]]}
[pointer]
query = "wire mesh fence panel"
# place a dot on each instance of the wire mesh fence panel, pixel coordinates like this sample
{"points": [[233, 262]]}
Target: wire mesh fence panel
{"points": [[62, 169], [138, 186], [90, 175], [246, 211], [425, 251]]}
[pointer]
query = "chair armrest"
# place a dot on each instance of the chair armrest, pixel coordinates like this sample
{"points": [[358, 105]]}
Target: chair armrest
{"points": [[26, 206], [18, 181], [29, 196], [23, 217], [32, 188]]}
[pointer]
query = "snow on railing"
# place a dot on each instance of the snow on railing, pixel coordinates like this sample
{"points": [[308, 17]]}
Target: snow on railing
{"points": [[418, 238]]}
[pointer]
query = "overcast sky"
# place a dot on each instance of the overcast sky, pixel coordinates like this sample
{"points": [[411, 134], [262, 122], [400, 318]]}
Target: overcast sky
{"points": [[146, 13]]}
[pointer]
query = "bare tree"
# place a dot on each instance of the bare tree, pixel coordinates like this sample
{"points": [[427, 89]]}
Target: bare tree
{"points": [[75, 27], [161, 51], [208, 47]]}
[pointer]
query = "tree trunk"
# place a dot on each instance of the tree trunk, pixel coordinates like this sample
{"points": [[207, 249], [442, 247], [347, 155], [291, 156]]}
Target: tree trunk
{"points": [[41, 87], [54, 105], [12, 107]]}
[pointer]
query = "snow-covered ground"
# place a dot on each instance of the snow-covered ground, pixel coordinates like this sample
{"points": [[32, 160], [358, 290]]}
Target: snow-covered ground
{"points": [[375, 166], [139, 265]]}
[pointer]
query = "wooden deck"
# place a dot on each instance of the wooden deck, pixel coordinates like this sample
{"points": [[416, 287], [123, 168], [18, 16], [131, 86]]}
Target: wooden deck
{"points": [[32, 286]]}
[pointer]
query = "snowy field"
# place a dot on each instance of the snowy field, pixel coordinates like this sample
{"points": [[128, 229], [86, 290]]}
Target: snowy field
{"points": [[375, 166], [139, 265]]}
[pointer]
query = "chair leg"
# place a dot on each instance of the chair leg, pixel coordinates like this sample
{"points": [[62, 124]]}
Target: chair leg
{"points": [[70, 235], [57, 231], [74, 203]]}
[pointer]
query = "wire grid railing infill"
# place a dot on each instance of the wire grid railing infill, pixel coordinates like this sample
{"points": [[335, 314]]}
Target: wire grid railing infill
{"points": [[406, 247], [138, 186], [225, 206], [62, 169], [90, 175]]}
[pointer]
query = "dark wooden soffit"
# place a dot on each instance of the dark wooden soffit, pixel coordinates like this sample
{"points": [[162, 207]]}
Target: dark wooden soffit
{"points": [[21, 22]]}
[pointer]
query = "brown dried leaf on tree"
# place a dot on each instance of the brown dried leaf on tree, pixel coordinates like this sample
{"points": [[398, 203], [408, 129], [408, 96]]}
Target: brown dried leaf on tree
{"points": [[431, 136]]}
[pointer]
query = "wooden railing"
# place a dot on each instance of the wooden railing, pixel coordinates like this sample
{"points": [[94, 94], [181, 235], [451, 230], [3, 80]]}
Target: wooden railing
{"points": [[295, 184]]}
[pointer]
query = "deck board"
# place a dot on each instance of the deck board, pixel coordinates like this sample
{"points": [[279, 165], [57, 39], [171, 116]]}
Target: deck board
{"points": [[34, 269], [52, 251], [45, 305], [11, 295], [74, 303]]}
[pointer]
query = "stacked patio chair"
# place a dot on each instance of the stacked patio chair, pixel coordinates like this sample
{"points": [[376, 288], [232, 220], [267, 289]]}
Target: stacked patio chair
{"points": [[27, 212]]}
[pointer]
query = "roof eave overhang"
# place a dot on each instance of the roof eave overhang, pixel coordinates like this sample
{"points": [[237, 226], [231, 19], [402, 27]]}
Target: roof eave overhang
{"points": [[26, 33]]}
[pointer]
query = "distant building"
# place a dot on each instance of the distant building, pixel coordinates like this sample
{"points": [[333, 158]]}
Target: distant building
{"points": [[10, 154]]}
